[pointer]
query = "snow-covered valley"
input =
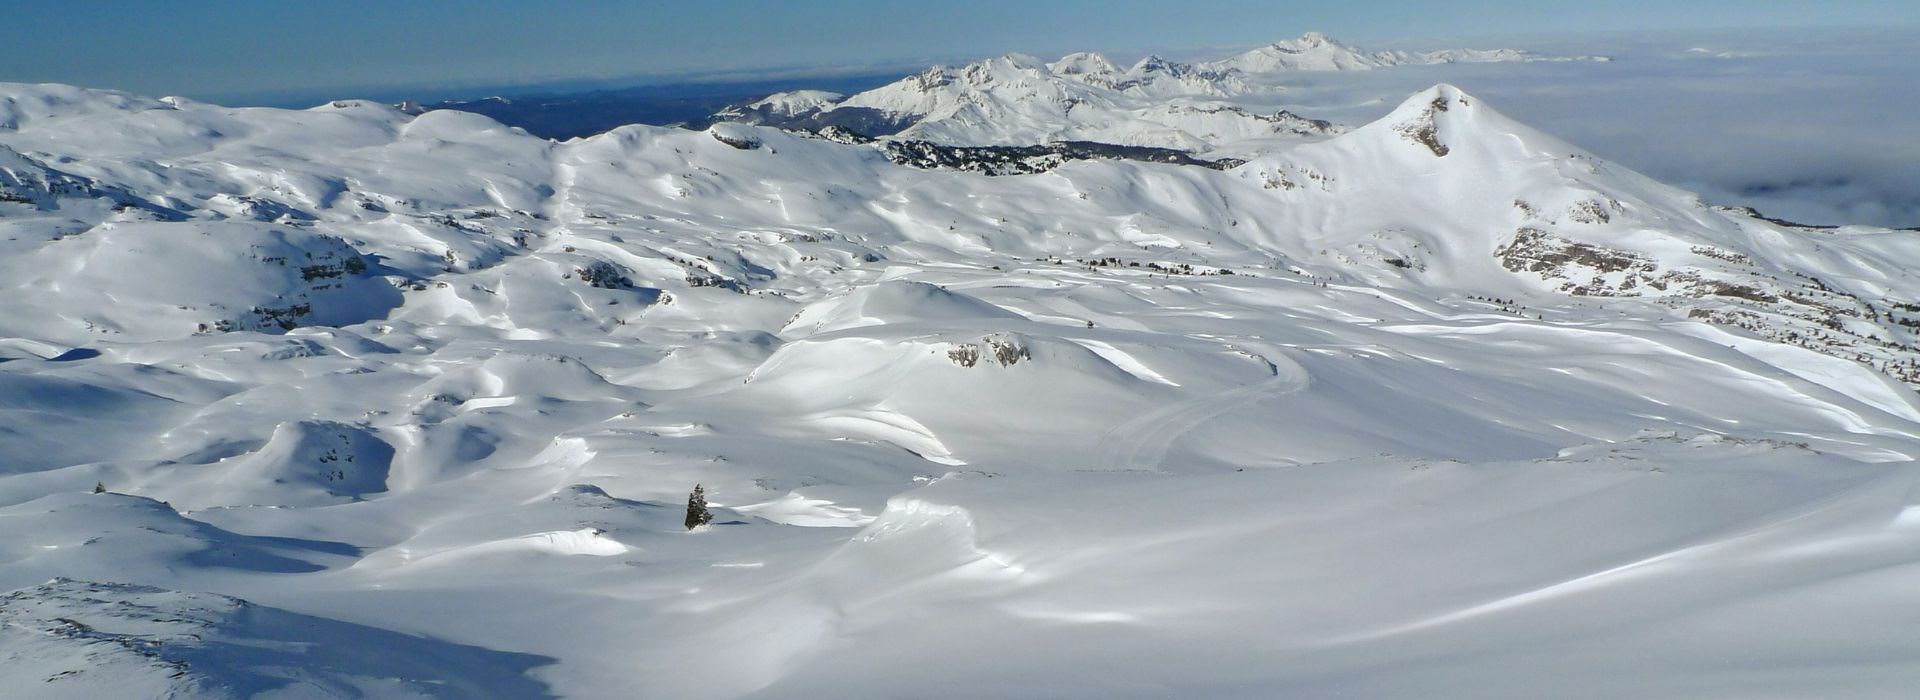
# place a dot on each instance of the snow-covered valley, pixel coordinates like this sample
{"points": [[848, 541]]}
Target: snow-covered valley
{"points": [[1436, 406]]}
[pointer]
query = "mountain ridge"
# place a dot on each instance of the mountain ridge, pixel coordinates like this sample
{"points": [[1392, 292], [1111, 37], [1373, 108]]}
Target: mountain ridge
{"points": [[1020, 100]]}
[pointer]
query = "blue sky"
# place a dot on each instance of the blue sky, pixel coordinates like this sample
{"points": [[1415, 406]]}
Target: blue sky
{"points": [[211, 49]]}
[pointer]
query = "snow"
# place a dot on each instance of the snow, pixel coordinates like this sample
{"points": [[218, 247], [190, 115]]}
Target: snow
{"points": [[797, 101], [107, 639], [1475, 414], [800, 510], [1019, 100], [1314, 51]]}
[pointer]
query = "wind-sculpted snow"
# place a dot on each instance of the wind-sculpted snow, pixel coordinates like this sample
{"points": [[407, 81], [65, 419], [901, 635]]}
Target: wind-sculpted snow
{"points": [[99, 535], [84, 639], [157, 280], [1437, 406], [1365, 578], [891, 302]]}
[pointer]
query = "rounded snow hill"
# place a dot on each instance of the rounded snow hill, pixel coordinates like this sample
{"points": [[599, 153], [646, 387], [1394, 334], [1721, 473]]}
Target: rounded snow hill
{"points": [[23, 105], [304, 463], [891, 302], [506, 376], [114, 535], [153, 281], [1313, 51], [962, 394]]}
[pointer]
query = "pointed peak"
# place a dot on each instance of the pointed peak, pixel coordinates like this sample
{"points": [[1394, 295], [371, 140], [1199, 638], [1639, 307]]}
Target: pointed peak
{"points": [[1307, 42], [1439, 98], [1008, 67], [1444, 120], [1084, 63], [1152, 62], [1020, 61], [1314, 39], [1426, 118]]}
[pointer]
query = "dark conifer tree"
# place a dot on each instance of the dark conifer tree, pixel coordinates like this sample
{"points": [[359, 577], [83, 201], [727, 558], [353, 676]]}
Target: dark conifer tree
{"points": [[697, 514]]}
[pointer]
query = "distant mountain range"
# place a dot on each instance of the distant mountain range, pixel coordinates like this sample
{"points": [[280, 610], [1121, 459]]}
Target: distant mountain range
{"points": [[564, 115], [1009, 100], [1016, 99]]}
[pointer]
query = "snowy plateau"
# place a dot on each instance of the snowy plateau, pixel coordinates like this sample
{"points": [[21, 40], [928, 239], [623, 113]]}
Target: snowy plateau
{"points": [[1116, 399]]}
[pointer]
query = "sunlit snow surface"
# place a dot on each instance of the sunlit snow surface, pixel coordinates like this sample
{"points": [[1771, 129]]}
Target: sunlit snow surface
{"points": [[410, 406]]}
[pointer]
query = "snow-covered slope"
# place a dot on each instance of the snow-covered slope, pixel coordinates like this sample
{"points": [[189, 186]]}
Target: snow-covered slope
{"points": [[1438, 406], [782, 105], [82, 639], [1017, 100]]}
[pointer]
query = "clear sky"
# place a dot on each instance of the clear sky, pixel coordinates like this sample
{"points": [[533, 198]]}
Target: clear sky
{"points": [[220, 49]]}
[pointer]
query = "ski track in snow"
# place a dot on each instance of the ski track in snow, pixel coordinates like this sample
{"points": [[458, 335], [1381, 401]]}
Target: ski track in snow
{"points": [[1141, 444]]}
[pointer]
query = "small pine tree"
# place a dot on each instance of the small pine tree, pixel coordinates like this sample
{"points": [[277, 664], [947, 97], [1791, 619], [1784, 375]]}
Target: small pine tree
{"points": [[697, 514], [99, 487]]}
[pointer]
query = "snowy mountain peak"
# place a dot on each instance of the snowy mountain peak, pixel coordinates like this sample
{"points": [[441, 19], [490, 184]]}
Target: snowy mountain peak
{"points": [[1443, 119], [1151, 63], [1309, 40], [1021, 62], [797, 101], [927, 80], [1085, 63], [1311, 52], [1433, 107], [1011, 68], [1314, 51]]}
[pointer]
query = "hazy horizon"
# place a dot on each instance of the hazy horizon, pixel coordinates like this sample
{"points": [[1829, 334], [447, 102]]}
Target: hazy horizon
{"points": [[237, 51]]}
